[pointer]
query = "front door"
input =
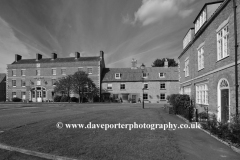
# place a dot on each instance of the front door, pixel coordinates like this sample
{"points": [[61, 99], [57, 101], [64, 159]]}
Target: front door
{"points": [[39, 96], [224, 105], [133, 98]]}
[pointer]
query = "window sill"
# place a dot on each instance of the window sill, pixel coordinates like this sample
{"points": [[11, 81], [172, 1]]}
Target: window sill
{"points": [[14, 86], [23, 86], [200, 69], [162, 99], [163, 89], [222, 58], [202, 104]]}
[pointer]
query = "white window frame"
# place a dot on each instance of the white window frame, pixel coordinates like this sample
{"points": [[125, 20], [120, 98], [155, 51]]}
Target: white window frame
{"points": [[200, 58], [23, 71], [145, 84], [38, 82], [63, 73], [161, 96], [109, 86], [117, 75], [164, 86], [91, 69], [144, 75], [202, 94], [161, 75], [121, 86], [186, 68], [15, 95], [223, 42], [55, 82], [22, 83], [54, 73], [15, 82], [13, 72]]}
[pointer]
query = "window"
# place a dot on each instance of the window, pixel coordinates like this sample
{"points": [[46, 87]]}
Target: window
{"points": [[145, 96], [161, 75], [23, 72], [23, 95], [90, 70], [162, 86], [14, 94], [162, 96], [23, 83], [14, 83], [109, 86], [54, 71], [202, 94], [144, 75], [38, 72], [14, 72], [63, 71], [187, 90], [38, 82], [53, 82], [200, 58], [122, 86], [117, 76], [186, 67], [200, 21], [80, 69], [145, 85], [44, 94], [222, 43]]}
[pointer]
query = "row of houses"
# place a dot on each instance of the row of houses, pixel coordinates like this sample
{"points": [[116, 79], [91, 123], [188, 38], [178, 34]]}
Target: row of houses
{"points": [[207, 68], [209, 63]]}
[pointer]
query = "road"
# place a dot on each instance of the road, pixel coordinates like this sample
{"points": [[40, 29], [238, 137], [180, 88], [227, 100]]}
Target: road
{"points": [[193, 143]]}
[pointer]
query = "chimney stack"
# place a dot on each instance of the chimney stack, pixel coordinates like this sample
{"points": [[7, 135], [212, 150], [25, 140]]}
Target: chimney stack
{"points": [[38, 57], [166, 63], [17, 57], [54, 56], [134, 64], [77, 55], [102, 54]]}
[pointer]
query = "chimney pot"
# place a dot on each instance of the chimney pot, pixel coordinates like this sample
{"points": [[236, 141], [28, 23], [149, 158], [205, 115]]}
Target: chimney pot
{"points": [[54, 56], [77, 55], [102, 54], [17, 57], [134, 64], [38, 57]]}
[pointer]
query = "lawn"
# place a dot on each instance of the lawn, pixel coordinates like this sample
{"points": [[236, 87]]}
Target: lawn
{"points": [[98, 143], [8, 155]]}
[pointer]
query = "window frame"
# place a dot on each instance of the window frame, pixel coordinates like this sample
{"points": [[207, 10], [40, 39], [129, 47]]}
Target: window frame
{"points": [[63, 69], [54, 84], [119, 76], [23, 83], [161, 99], [90, 69], [14, 71], [186, 68], [163, 75], [145, 86], [14, 80], [200, 58], [202, 94], [39, 82], [122, 84], [23, 71], [145, 96], [54, 73], [15, 95], [164, 86], [222, 50], [109, 86]]}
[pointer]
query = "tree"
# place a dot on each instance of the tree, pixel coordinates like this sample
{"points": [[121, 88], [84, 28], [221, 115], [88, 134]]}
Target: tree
{"points": [[82, 84], [64, 85], [160, 62], [92, 90]]}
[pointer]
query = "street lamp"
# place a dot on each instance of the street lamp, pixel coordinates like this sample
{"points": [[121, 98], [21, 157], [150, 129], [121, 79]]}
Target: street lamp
{"points": [[142, 68]]}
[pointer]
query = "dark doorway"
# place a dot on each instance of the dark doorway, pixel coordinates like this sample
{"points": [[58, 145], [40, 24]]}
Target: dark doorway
{"points": [[224, 105]]}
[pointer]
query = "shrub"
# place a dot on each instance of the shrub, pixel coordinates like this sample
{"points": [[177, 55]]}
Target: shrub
{"points": [[16, 99], [57, 98], [74, 99], [64, 99]]}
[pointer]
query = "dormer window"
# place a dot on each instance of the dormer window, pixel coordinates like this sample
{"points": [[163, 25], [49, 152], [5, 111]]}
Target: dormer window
{"points": [[161, 75], [200, 20], [117, 75]]}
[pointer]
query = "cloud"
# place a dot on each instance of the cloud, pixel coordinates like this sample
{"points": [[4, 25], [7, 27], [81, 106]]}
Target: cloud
{"points": [[152, 11]]}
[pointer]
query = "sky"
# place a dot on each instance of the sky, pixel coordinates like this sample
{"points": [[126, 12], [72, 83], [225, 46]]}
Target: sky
{"points": [[124, 29]]}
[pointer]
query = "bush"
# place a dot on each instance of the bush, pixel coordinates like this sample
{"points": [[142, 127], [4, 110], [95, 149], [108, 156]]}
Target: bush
{"points": [[64, 99], [57, 98], [16, 99], [74, 99]]}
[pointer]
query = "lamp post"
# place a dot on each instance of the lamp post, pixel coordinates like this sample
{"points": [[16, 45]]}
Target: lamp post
{"points": [[142, 68]]}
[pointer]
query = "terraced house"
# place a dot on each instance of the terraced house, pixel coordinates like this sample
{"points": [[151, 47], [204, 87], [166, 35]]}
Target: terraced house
{"points": [[151, 84], [34, 79], [208, 70]]}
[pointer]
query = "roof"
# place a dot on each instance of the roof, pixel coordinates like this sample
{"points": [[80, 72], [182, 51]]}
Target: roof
{"points": [[135, 75], [2, 76], [206, 4], [57, 60]]}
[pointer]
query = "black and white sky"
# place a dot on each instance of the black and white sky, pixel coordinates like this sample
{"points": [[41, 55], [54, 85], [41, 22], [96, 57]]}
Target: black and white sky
{"points": [[123, 29]]}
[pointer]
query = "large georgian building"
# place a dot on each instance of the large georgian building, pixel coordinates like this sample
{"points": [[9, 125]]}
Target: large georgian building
{"points": [[207, 63], [127, 84], [34, 79]]}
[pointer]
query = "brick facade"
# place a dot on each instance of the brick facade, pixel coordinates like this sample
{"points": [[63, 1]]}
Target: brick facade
{"points": [[47, 77], [214, 70]]}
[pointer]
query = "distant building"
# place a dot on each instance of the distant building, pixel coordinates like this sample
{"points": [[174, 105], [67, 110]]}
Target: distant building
{"points": [[2, 87], [128, 83], [34, 79], [207, 62]]}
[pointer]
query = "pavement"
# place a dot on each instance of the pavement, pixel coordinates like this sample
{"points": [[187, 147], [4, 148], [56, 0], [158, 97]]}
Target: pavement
{"points": [[193, 143]]}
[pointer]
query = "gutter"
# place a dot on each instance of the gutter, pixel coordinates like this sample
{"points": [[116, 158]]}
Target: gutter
{"points": [[236, 54]]}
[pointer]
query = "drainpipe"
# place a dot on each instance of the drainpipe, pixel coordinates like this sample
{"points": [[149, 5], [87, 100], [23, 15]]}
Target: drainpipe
{"points": [[236, 54]]}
